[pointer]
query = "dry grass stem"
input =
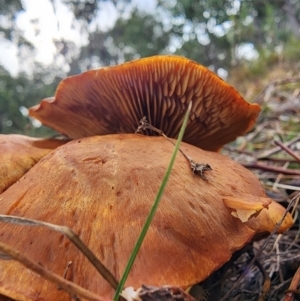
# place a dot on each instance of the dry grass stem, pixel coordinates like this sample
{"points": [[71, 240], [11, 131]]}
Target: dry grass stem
{"points": [[74, 238], [70, 287], [293, 289]]}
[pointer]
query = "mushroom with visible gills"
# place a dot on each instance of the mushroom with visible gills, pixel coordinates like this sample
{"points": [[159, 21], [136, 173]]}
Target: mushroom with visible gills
{"points": [[114, 99], [103, 188]]}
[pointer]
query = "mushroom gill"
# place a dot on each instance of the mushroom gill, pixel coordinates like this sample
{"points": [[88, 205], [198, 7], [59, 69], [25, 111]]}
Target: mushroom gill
{"points": [[113, 100], [103, 188]]}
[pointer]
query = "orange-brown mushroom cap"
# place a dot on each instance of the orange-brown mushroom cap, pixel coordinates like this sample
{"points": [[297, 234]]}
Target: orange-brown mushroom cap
{"points": [[103, 188], [19, 153], [114, 99]]}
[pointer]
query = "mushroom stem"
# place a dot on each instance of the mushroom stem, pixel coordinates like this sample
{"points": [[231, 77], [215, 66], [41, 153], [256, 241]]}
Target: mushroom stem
{"points": [[197, 168]]}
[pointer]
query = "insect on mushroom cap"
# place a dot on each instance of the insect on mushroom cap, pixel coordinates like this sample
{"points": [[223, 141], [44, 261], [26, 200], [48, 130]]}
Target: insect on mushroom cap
{"points": [[113, 100], [103, 188]]}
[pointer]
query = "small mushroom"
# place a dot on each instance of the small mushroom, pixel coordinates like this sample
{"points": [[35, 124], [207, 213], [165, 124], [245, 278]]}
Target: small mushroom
{"points": [[103, 188], [114, 99], [19, 153]]}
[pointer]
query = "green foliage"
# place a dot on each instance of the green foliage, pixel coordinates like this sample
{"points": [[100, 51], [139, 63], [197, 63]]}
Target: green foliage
{"points": [[11, 8], [139, 35], [17, 94], [87, 10], [8, 12], [210, 32], [291, 51]]}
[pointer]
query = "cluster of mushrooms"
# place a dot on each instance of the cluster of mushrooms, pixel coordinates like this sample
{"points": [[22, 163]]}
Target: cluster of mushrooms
{"points": [[102, 181]]}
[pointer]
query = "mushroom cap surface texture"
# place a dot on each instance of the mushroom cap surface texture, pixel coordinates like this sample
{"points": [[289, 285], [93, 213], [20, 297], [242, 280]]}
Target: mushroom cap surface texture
{"points": [[103, 188], [114, 99], [19, 153]]}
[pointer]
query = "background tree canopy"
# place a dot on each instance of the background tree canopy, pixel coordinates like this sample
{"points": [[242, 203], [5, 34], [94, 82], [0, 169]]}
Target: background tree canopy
{"points": [[239, 38]]}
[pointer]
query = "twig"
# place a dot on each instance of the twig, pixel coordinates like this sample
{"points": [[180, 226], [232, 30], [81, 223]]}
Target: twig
{"points": [[236, 150], [265, 167], [268, 89], [163, 293], [68, 286], [266, 279], [197, 168], [255, 133], [280, 160], [270, 176], [277, 148], [267, 282], [240, 292], [266, 242], [292, 290], [284, 186], [288, 150]]}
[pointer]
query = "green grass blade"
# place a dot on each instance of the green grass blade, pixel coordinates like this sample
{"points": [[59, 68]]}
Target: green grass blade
{"points": [[153, 209]]}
